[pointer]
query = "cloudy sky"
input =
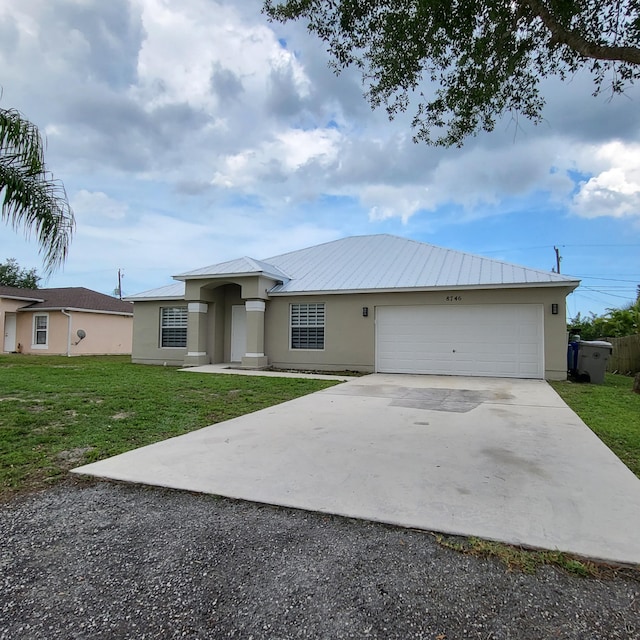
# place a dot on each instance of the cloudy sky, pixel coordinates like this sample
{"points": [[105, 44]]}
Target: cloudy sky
{"points": [[188, 132]]}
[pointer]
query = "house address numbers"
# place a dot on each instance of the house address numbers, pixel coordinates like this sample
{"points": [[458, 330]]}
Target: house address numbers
{"points": [[453, 299]]}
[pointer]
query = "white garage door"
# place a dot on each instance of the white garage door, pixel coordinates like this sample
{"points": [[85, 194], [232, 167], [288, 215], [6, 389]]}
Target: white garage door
{"points": [[503, 340]]}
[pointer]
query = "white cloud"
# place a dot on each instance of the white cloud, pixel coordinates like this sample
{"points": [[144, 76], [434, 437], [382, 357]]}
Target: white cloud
{"points": [[186, 42], [614, 190], [386, 202], [97, 206], [297, 147], [289, 151], [478, 180]]}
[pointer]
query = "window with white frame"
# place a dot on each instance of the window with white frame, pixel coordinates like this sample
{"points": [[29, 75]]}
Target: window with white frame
{"points": [[173, 327], [40, 330], [307, 326]]}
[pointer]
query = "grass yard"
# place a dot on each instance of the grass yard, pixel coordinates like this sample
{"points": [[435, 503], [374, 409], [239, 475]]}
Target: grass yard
{"points": [[57, 413], [612, 411]]}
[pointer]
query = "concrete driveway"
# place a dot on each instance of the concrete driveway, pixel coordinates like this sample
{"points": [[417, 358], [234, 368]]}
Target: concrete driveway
{"points": [[495, 458]]}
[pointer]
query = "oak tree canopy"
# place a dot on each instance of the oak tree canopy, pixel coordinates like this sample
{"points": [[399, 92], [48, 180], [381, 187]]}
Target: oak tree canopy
{"points": [[485, 58], [13, 275]]}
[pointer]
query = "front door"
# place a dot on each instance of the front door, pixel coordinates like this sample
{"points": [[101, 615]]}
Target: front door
{"points": [[238, 332], [9, 332]]}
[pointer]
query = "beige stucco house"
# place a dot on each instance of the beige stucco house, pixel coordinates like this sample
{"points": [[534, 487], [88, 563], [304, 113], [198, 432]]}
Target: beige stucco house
{"points": [[368, 303], [64, 321]]}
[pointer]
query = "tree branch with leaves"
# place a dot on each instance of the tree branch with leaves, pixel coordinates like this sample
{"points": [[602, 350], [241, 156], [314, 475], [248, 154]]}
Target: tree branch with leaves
{"points": [[483, 58], [13, 275]]}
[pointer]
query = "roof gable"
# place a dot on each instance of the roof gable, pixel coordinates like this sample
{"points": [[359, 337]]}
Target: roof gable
{"points": [[238, 267]]}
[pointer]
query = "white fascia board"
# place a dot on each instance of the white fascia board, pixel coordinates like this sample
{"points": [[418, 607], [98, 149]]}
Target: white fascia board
{"points": [[572, 284], [109, 313], [226, 276], [154, 299], [31, 300]]}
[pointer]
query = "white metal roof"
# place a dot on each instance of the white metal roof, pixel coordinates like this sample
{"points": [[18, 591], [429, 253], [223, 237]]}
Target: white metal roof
{"points": [[370, 263], [364, 263], [239, 266], [168, 292]]}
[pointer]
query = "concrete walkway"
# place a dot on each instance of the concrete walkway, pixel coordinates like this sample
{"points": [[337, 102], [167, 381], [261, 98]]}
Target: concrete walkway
{"points": [[500, 459], [233, 369]]}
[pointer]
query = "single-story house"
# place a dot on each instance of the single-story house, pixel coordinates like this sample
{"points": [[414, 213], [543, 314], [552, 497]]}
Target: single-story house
{"points": [[64, 321], [368, 303]]}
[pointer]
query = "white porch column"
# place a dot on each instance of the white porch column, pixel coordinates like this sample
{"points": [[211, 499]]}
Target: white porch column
{"points": [[255, 357], [197, 334]]}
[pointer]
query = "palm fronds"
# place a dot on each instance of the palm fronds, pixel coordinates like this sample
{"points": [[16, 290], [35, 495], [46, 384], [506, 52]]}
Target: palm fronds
{"points": [[29, 196]]}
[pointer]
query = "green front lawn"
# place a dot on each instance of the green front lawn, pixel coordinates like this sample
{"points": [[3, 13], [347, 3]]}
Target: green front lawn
{"points": [[57, 413], [612, 410]]}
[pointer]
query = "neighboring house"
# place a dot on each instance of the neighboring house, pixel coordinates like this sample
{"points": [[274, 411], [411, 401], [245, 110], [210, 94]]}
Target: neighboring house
{"points": [[67, 321], [369, 303]]}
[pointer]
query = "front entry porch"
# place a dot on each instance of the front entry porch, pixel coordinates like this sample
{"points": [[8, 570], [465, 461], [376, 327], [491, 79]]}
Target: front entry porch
{"points": [[225, 322]]}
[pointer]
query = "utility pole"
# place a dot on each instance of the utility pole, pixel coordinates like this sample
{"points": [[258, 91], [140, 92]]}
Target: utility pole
{"points": [[558, 259], [119, 290]]}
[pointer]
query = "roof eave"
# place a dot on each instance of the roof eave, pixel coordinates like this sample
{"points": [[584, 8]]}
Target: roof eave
{"points": [[31, 300], [571, 284], [65, 308], [225, 276], [153, 298]]}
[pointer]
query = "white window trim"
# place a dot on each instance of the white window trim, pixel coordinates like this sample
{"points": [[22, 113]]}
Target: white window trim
{"points": [[173, 306], [33, 332], [324, 326]]}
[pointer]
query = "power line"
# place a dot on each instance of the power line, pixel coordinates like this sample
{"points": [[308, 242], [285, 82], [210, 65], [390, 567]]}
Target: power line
{"points": [[615, 295], [612, 289], [623, 244], [564, 246], [601, 245], [608, 279]]}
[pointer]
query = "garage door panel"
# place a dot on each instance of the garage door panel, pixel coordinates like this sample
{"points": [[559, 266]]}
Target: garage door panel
{"points": [[482, 340]]}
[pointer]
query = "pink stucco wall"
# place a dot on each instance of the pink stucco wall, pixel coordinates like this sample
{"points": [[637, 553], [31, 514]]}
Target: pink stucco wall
{"points": [[105, 333], [7, 306]]}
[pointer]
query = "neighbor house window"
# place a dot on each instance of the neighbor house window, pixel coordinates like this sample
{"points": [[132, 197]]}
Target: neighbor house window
{"points": [[307, 326], [40, 331], [173, 327]]}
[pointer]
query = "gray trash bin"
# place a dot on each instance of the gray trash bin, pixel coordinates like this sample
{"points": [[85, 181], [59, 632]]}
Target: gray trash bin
{"points": [[592, 359]]}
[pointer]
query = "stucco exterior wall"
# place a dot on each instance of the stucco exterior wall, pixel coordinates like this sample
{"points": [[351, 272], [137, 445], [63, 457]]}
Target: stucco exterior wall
{"points": [[216, 324], [8, 306], [146, 335], [56, 333], [105, 333], [350, 337]]}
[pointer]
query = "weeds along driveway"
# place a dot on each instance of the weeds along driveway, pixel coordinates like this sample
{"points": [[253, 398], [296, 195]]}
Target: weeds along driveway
{"points": [[500, 459]]}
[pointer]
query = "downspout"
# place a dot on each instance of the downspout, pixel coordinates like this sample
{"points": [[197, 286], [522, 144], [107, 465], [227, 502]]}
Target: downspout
{"points": [[68, 332]]}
